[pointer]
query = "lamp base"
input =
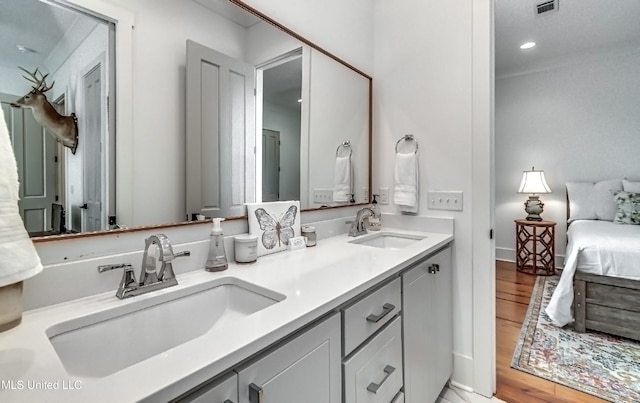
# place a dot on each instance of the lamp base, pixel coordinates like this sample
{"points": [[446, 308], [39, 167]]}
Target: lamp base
{"points": [[534, 208]]}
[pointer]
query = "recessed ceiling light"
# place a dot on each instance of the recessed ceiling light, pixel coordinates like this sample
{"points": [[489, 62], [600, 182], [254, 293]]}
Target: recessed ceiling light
{"points": [[300, 100], [527, 45]]}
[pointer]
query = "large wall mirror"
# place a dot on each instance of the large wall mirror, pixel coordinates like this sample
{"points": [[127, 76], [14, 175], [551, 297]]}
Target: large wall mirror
{"points": [[287, 120], [62, 190], [286, 145]]}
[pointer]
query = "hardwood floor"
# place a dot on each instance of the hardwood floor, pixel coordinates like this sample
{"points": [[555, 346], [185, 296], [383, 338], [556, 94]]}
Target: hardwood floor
{"points": [[513, 291]]}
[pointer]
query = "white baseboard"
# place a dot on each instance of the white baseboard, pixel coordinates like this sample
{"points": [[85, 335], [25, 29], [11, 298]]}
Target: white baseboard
{"points": [[509, 255], [455, 394], [462, 371]]}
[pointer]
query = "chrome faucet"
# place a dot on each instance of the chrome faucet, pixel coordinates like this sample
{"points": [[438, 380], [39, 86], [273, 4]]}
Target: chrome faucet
{"points": [[150, 280], [358, 227]]}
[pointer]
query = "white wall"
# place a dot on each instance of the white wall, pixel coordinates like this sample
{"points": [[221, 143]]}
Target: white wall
{"points": [[577, 122], [423, 85]]}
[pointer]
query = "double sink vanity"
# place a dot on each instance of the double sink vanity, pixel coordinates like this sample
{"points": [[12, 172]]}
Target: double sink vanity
{"points": [[353, 319]]}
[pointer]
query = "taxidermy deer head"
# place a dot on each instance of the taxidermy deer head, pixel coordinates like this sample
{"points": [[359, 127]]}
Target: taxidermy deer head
{"points": [[63, 128]]}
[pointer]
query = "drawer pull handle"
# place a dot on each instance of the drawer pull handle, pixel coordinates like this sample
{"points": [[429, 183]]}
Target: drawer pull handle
{"points": [[255, 393], [227, 401], [373, 387], [386, 308]]}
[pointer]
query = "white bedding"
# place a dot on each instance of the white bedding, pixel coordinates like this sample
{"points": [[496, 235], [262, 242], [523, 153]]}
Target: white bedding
{"points": [[597, 247]]}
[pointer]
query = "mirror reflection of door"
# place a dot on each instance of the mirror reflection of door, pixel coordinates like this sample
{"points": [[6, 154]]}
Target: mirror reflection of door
{"points": [[36, 156], [281, 113], [220, 133], [92, 123], [270, 165]]}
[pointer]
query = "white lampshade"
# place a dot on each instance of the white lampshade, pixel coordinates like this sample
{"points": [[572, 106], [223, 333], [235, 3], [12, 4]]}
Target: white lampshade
{"points": [[533, 182]]}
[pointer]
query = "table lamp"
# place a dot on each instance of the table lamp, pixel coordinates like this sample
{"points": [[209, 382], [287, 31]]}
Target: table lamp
{"points": [[533, 182]]}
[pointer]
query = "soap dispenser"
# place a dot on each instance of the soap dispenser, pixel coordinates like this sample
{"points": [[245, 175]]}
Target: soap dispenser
{"points": [[374, 222], [217, 259]]}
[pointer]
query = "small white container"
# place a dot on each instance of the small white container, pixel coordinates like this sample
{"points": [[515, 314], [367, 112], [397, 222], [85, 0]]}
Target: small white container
{"points": [[309, 234], [246, 248]]}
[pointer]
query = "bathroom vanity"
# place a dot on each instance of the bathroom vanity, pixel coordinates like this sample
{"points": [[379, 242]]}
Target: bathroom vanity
{"points": [[364, 319]]}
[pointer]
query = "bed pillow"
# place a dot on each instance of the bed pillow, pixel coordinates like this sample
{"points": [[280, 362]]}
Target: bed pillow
{"points": [[593, 201], [628, 207], [629, 186]]}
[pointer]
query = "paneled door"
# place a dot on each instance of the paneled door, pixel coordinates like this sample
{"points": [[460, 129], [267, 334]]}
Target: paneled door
{"points": [[220, 133], [93, 158], [36, 155], [270, 165]]}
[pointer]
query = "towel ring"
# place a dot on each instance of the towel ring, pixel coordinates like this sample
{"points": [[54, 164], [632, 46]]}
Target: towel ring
{"points": [[345, 144], [407, 138]]}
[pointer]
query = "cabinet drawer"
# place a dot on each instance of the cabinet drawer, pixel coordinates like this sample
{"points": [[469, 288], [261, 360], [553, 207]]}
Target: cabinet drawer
{"points": [[366, 316], [374, 373], [224, 390]]}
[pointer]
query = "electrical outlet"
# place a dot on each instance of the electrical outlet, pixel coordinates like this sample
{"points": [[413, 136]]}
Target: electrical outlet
{"points": [[322, 196], [441, 200], [383, 197]]}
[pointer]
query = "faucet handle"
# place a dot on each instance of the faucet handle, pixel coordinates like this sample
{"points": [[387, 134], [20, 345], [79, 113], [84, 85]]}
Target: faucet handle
{"points": [[128, 280], [166, 271]]}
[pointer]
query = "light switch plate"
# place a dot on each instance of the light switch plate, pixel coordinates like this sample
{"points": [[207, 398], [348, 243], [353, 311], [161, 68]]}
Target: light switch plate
{"points": [[445, 200], [322, 195], [383, 196]]}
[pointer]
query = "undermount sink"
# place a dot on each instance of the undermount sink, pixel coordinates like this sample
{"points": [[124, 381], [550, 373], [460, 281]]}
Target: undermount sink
{"points": [[100, 344], [387, 240]]}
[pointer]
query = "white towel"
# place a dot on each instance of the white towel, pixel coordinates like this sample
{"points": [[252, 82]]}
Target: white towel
{"points": [[19, 258], [405, 190], [342, 180]]}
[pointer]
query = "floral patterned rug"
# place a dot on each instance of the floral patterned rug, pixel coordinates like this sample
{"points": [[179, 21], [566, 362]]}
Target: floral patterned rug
{"points": [[595, 363]]}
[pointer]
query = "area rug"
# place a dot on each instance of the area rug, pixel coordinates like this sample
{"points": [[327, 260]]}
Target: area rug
{"points": [[595, 363]]}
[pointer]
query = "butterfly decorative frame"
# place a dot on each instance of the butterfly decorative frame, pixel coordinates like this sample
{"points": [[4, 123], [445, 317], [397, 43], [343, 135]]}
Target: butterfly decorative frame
{"points": [[274, 224]]}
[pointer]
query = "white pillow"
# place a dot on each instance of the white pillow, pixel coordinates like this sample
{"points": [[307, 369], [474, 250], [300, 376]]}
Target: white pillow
{"points": [[593, 201], [633, 187]]}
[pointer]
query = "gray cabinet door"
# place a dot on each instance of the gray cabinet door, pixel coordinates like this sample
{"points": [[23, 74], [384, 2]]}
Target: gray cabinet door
{"points": [[428, 328], [305, 369], [220, 133]]}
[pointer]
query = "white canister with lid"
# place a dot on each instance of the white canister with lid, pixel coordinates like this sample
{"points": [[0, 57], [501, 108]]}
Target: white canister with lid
{"points": [[246, 248]]}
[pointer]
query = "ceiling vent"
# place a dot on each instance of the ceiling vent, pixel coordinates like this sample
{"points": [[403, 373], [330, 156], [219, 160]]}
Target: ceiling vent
{"points": [[547, 7]]}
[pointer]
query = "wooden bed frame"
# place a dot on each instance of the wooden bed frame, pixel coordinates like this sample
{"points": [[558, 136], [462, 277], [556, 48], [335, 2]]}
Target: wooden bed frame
{"points": [[606, 304]]}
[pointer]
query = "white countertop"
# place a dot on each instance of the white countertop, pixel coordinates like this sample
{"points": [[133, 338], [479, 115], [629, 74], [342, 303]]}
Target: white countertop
{"points": [[314, 280]]}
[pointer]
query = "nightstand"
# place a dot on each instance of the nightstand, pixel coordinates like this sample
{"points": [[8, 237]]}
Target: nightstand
{"points": [[535, 247]]}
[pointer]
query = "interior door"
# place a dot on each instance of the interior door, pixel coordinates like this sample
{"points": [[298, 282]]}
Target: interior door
{"points": [[220, 133], [36, 157], [91, 137], [270, 165]]}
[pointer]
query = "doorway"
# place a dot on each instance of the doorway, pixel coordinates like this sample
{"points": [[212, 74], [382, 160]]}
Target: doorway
{"points": [[270, 165]]}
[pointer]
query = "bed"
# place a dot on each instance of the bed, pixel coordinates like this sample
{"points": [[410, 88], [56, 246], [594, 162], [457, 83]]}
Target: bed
{"points": [[599, 288]]}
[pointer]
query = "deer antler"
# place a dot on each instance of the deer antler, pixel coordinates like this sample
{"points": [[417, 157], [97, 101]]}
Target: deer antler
{"points": [[40, 83]]}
